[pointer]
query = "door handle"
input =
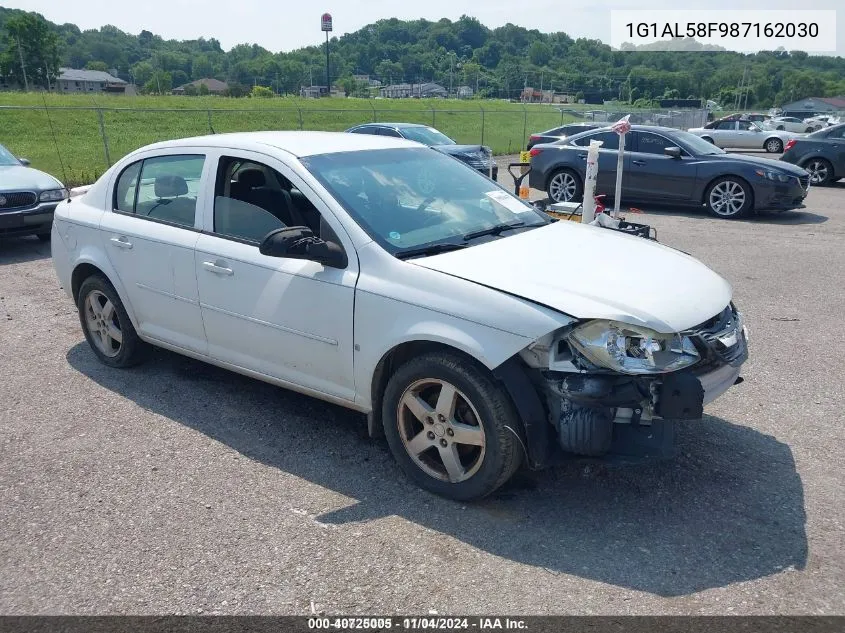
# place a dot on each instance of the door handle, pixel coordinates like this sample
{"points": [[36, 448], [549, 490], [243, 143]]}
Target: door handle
{"points": [[218, 268], [121, 242], [638, 162]]}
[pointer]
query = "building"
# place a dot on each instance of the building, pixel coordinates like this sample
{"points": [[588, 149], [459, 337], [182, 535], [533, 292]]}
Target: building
{"points": [[315, 92], [532, 95], [424, 90], [73, 80], [214, 86], [464, 92], [366, 79], [814, 105]]}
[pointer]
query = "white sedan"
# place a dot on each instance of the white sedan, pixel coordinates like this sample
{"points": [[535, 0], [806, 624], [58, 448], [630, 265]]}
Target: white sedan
{"points": [[384, 276], [787, 124], [743, 135]]}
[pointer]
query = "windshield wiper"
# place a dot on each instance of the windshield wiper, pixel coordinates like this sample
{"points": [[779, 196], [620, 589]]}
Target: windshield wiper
{"points": [[433, 249], [493, 230]]}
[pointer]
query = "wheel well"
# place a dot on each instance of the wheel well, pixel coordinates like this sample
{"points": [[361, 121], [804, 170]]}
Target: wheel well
{"points": [[740, 178], [709, 139], [80, 274]]}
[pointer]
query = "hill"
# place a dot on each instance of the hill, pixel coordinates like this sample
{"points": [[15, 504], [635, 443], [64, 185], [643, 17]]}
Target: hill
{"points": [[499, 62]]}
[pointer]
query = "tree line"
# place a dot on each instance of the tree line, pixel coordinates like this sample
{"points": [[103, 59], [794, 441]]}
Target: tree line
{"points": [[496, 62]]}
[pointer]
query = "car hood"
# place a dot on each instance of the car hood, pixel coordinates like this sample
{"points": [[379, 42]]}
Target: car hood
{"points": [[458, 149], [593, 273], [18, 177], [755, 161]]}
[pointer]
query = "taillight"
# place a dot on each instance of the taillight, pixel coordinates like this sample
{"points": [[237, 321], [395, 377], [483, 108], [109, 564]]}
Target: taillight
{"points": [[534, 152], [789, 144], [533, 137]]}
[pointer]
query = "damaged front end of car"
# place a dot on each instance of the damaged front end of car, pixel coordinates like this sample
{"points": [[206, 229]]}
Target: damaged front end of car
{"points": [[611, 388]]}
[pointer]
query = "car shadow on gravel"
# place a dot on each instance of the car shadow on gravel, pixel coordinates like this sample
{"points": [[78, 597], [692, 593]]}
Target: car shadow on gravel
{"points": [[728, 509], [18, 250]]}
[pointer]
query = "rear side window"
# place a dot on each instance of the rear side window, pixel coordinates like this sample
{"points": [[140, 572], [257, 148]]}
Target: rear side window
{"points": [[163, 188], [610, 140]]}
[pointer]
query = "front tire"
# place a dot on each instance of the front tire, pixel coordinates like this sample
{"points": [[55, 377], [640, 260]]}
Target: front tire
{"points": [[106, 324], [450, 426], [729, 197], [821, 171], [565, 186], [774, 146]]}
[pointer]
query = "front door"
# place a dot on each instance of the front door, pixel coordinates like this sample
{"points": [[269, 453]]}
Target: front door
{"points": [[150, 236], [289, 319], [652, 175]]}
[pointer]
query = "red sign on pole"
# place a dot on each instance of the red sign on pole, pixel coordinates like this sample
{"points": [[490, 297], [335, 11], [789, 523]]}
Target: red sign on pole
{"points": [[326, 22], [622, 126]]}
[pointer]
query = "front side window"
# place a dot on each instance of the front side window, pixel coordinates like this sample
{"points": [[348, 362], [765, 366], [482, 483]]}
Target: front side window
{"points": [[414, 197], [726, 125], [653, 144], [163, 188]]}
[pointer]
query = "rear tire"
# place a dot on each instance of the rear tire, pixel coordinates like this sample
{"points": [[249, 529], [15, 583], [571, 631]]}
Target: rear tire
{"points": [[565, 186], [821, 171], [450, 426], [774, 146], [808, 130], [106, 324], [729, 197]]}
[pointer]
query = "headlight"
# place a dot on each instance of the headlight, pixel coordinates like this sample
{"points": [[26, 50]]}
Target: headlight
{"points": [[632, 350], [772, 175], [53, 194]]}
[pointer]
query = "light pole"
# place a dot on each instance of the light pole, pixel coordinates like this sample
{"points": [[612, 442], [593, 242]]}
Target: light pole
{"points": [[451, 59], [326, 25]]}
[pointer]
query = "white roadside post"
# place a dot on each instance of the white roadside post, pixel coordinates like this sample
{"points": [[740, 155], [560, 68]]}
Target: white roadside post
{"points": [[621, 127], [588, 206]]}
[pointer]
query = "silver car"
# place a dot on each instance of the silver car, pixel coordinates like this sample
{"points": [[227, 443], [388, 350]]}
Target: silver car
{"points": [[744, 135], [27, 198]]}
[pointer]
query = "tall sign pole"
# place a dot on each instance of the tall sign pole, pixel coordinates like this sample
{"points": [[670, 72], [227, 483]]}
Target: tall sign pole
{"points": [[326, 25]]}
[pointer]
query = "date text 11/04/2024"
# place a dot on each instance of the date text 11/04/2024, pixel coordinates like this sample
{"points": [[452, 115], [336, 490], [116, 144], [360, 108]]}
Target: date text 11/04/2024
{"points": [[723, 29], [416, 623]]}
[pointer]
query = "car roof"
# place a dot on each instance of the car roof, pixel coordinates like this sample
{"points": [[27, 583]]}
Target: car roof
{"points": [[641, 128], [393, 124], [299, 144]]}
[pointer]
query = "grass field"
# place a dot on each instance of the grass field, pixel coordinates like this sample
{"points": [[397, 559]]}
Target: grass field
{"points": [[64, 137]]}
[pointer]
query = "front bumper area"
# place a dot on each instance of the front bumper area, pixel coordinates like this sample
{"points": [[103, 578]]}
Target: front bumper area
{"points": [[37, 219], [780, 196]]}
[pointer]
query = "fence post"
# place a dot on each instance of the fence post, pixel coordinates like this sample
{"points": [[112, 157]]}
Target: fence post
{"points": [[299, 114], [373, 109], [433, 116], [524, 126], [103, 134], [561, 115], [482, 122], [210, 127]]}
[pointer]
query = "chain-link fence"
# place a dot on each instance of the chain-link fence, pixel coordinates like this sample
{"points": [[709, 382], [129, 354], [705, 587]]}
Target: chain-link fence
{"points": [[77, 144]]}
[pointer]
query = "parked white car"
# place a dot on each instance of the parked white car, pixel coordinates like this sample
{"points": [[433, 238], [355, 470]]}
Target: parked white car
{"points": [[743, 135], [389, 278], [820, 121], [788, 124]]}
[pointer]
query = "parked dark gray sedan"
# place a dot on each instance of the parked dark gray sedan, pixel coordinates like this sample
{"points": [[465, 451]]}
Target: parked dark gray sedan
{"points": [[668, 166], [27, 197], [821, 153]]}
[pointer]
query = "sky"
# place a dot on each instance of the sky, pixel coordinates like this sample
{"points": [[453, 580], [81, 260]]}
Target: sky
{"points": [[284, 25]]}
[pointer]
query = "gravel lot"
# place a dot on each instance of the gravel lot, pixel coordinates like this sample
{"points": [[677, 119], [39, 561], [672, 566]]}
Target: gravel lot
{"points": [[176, 487]]}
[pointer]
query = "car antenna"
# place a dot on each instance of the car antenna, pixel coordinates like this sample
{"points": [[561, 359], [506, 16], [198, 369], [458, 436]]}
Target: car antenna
{"points": [[55, 142]]}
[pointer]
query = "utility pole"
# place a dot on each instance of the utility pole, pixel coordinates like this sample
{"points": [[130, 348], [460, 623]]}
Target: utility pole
{"points": [[23, 66], [326, 25], [451, 60]]}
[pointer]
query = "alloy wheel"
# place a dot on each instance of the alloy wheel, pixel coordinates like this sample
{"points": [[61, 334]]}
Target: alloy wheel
{"points": [[441, 430], [103, 323], [727, 198], [818, 171], [773, 145], [562, 187]]}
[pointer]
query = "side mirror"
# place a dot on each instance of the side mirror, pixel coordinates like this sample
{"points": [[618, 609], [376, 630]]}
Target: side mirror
{"points": [[24, 161], [674, 152], [299, 242]]}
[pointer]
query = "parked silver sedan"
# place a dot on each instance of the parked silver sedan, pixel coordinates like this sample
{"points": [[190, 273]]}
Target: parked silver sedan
{"points": [[27, 197], [744, 135]]}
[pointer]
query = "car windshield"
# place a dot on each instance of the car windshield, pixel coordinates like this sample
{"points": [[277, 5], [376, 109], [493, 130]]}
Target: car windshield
{"points": [[6, 157], [697, 145], [410, 198], [426, 136]]}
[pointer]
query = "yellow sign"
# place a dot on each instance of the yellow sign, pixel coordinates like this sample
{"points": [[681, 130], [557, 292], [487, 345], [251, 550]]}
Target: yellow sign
{"points": [[525, 157]]}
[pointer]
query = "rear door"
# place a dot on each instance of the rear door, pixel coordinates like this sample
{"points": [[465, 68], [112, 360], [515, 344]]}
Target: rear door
{"points": [[608, 159], [652, 175], [150, 236]]}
